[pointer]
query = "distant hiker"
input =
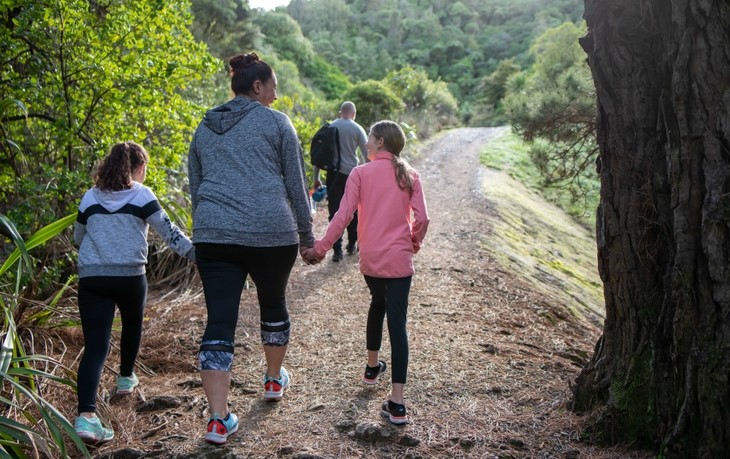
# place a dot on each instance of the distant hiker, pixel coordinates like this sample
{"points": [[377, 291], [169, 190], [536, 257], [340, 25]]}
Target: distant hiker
{"points": [[251, 216], [386, 191], [111, 231], [351, 136]]}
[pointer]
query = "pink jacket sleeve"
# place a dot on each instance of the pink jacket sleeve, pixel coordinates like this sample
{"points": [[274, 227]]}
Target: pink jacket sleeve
{"points": [[420, 214]]}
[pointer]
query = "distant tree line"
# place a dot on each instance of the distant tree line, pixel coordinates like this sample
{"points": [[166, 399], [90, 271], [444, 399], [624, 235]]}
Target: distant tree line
{"points": [[459, 42]]}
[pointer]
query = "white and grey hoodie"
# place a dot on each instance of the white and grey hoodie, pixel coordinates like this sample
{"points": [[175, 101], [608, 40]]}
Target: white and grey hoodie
{"points": [[111, 231]]}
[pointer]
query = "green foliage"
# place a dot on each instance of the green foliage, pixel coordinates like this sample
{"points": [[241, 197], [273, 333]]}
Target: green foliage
{"points": [[552, 105], [375, 101], [27, 421], [557, 50], [227, 29], [226, 26], [489, 110], [90, 75], [283, 34], [429, 105], [455, 42], [326, 77]]}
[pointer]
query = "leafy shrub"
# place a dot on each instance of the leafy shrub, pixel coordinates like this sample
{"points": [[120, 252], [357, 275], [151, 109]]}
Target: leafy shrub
{"points": [[375, 101], [429, 105]]}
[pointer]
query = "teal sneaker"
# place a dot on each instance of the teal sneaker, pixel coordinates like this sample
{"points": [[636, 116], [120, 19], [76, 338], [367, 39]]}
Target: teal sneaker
{"points": [[90, 430], [126, 384], [274, 388], [219, 429]]}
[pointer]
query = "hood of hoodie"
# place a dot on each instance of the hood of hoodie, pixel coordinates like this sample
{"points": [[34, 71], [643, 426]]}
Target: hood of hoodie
{"points": [[224, 117], [115, 200]]}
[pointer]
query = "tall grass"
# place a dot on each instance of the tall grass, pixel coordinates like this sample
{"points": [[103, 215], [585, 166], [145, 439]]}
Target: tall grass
{"points": [[30, 426]]}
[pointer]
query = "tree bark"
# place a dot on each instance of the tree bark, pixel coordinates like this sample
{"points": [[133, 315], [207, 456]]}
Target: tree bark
{"points": [[660, 374]]}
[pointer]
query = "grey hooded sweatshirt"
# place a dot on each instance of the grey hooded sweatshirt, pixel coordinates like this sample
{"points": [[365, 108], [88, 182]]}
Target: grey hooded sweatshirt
{"points": [[111, 231], [247, 179]]}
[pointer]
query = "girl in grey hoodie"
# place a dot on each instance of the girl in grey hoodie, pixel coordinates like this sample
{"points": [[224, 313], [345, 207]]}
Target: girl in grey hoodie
{"points": [[111, 231]]}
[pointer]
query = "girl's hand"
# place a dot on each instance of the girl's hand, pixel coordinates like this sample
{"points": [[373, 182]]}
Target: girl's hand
{"points": [[416, 245], [308, 255]]}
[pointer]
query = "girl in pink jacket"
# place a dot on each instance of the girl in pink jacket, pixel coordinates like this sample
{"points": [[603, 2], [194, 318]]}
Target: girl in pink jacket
{"points": [[393, 219]]}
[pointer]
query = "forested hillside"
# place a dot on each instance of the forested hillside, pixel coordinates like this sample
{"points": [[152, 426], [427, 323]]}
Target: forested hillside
{"points": [[459, 42]]}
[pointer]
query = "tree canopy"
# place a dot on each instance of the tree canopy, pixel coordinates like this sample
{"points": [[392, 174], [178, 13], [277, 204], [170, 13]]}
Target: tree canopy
{"points": [[457, 42], [90, 75]]}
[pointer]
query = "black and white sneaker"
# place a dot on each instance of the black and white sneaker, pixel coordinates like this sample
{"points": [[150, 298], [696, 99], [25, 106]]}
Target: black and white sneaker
{"points": [[372, 373], [395, 412]]}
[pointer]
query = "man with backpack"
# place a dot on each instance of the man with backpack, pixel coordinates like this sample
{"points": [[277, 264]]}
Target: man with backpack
{"points": [[351, 136]]}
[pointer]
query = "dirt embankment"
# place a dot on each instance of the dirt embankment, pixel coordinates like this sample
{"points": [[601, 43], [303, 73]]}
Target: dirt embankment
{"points": [[492, 354]]}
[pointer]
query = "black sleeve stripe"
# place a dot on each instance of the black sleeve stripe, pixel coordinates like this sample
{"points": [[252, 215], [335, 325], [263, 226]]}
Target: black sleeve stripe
{"points": [[150, 208], [81, 217]]}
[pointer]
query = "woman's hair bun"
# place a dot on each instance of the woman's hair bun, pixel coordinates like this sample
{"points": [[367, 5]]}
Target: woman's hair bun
{"points": [[240, 61]]}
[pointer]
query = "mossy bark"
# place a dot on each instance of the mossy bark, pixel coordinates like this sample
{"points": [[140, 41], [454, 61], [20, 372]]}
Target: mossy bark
{"points": [[660, 374]]}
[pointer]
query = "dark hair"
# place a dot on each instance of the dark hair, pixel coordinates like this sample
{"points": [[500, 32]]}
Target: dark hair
{"points": [[247, 68], [115, 172], [394, 140]]}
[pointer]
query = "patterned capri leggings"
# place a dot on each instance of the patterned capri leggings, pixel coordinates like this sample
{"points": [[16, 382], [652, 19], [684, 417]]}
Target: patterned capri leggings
{"points": [[223, 270]]}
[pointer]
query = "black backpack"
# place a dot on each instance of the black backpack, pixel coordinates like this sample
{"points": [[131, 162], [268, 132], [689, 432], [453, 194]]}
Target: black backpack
{"points": [[325, 149]]}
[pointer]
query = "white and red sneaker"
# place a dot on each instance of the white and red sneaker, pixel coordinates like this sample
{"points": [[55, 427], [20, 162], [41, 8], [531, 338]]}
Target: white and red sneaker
{"points": [[219, 429], [274, 388]]}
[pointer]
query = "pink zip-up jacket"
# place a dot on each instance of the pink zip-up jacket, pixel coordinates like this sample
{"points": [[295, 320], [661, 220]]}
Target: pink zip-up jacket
{"points": [[387, 236]]}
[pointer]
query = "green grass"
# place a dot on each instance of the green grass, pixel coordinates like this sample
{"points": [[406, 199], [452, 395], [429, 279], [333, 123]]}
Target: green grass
{"points": [[510, 154], [535, 238]]}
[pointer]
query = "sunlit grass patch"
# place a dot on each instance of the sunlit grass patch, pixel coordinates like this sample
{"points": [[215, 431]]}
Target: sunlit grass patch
{"points": [[510, 154], [535, 238]]}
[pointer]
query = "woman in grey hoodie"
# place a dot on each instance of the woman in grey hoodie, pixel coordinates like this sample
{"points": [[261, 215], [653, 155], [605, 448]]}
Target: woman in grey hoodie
{"points": [[111, 231], [251, 215]]}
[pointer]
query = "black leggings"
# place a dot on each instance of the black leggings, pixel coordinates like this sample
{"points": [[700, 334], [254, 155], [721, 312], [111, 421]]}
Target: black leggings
{"points": [[335, 190], [223, 269], [97, 299], [390, 296]]}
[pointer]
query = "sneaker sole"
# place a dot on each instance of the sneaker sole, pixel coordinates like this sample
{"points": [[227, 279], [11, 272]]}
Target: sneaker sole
{"points": [[88, 437], [370, 382], [273, 396], [125, 391], [397, 420], [219, 439]]}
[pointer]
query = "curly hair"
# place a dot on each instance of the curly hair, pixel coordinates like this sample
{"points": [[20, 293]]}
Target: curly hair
{"points": [[245, 70], [394, 140], [115, 172]]}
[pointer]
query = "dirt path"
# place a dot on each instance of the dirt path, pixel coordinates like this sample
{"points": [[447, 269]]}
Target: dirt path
{"points": [[491, 359]]}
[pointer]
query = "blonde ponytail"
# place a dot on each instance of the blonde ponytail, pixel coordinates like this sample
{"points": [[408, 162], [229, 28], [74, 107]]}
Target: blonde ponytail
{"points": [[394, 140]]}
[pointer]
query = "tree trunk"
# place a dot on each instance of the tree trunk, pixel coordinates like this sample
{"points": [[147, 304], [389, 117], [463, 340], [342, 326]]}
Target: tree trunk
{"points": [[660, 375]]}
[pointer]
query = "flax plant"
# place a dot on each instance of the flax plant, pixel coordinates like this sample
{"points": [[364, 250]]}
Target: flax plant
{"points": [[30, 426]]}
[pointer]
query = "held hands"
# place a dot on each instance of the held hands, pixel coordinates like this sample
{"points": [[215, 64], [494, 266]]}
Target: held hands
{"points": [[309, 256]]}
